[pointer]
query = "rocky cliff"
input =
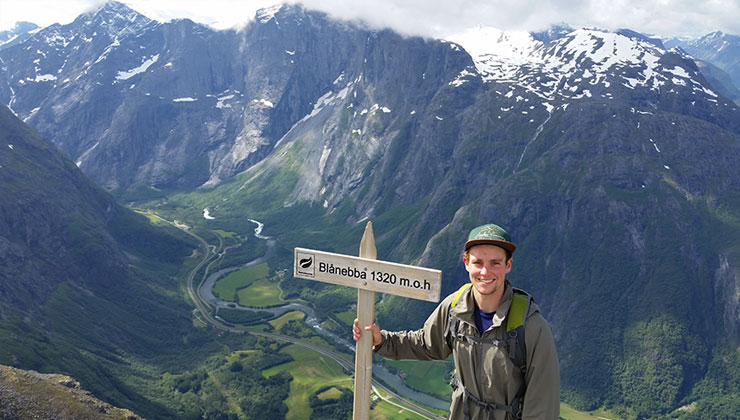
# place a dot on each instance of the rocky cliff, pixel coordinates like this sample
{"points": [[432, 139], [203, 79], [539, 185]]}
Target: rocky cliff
{"points": [[31, 395]]}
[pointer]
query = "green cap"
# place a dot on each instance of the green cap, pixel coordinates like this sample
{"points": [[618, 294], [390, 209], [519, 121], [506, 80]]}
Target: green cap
{"points": [[492, 235]]}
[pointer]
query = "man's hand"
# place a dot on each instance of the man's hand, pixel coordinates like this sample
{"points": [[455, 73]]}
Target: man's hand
{"points": [[357, 332]]}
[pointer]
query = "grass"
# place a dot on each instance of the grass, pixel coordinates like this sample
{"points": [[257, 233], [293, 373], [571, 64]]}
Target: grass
{"points": [[243, 356], [310, 372], [260, 294], [277, 323], [227, 287], [347, 317], [384, 410], [569, 413], [425, 376], [331, 393], [223, 233]]}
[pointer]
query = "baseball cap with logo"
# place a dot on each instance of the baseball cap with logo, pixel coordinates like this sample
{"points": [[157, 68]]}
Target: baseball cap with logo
{"points": [[492, 235]]}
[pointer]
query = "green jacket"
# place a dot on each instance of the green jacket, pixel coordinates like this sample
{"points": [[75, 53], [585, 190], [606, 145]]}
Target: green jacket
{"points": [[485, 370]]}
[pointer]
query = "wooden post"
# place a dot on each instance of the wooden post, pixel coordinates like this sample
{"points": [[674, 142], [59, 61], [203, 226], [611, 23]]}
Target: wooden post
{"points": [[363, 349], [368, 276]]}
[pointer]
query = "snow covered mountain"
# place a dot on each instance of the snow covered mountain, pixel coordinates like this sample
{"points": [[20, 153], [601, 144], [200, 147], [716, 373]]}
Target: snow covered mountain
{"points": [[177, 104], [20, 31], [583, 63], [721, 52]]}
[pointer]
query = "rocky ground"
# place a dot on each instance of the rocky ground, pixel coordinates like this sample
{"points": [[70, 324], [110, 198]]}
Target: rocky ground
{"points": [[31, 395]]}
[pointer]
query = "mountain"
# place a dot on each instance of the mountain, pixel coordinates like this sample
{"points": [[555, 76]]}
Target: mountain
{"points": [[611, 160], [197, 120], [720, 50], [85, 284], [25, 394], [20, 32], [58, 228]]}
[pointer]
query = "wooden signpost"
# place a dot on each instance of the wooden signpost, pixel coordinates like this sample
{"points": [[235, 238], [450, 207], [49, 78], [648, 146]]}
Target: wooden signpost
{"points": [[368, 276]]}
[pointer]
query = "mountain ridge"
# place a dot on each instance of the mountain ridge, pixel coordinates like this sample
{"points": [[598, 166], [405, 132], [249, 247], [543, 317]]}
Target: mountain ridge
{"points": [[249, 117]]}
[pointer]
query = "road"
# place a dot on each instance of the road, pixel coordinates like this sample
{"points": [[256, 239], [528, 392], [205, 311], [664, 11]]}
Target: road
{"points": [[203, 313]]}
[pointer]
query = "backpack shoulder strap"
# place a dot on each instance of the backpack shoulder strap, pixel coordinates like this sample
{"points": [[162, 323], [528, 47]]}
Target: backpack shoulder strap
{"points": [[452, 322], [517, 315], [515, 322], [458, 294]]}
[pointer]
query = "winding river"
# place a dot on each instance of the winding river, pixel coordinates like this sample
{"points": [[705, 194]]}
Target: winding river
{"points": [[379, 371]]}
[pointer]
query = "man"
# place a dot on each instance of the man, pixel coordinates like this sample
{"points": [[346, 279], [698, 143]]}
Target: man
{"points": [[472, 325]]}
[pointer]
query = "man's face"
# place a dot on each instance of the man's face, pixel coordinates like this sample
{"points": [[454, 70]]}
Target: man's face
{"points": [[488, 267]]}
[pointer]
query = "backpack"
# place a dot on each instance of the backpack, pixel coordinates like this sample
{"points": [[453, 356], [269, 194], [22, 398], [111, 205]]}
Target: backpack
{"points": [[516, 319]]}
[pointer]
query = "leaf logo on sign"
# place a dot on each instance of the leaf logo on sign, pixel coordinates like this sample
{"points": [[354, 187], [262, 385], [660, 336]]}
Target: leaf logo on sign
{"points": [[305, 262]]}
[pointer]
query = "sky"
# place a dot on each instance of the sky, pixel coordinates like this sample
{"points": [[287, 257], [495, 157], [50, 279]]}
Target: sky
{"points": [[432, 18]]}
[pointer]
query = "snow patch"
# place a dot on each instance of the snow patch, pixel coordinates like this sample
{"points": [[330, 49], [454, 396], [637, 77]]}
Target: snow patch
{"points": [[461, 78], [322, 160], [263, 102], [655, 145], [679, 71], [42, 78], [125, 75], [268, 13], [222, 101]]}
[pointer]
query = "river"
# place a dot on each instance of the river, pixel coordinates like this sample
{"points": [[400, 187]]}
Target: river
{"points": [[379, 372]]}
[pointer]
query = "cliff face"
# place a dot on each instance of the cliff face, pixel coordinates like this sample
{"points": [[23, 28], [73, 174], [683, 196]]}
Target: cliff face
{"points": [[53, 222], [82, 279], [30, 395], [137, 103]]}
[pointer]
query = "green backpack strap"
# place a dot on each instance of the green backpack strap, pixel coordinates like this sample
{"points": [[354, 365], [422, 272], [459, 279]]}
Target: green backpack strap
{"points": [[452, 322], [515, 322], [459, 293], [518, 311]]}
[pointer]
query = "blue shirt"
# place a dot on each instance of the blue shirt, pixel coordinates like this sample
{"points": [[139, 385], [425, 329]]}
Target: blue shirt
{"points": [[483, 319]]}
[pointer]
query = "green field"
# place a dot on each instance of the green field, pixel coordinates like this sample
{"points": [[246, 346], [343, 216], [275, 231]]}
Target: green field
{"points": [[331, 393], [569, 413], [425, 376], [223, 233], [249, 287], [310, 372], [347, 317], [277, 323], [260, 293], [386, 411]]}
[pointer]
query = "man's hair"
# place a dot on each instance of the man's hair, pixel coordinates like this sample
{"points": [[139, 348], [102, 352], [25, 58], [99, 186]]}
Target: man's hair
{"points": [[466, 254]]}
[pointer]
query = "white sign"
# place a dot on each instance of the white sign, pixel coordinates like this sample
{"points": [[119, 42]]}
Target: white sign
{"points": [[362, 273]]}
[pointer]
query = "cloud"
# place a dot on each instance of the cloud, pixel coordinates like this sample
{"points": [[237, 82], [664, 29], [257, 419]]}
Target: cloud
{"points": [[442, 17], [432, 18]]}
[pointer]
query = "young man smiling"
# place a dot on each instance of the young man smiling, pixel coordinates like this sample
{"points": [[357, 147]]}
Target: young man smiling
{"points": [[491, 381]]}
